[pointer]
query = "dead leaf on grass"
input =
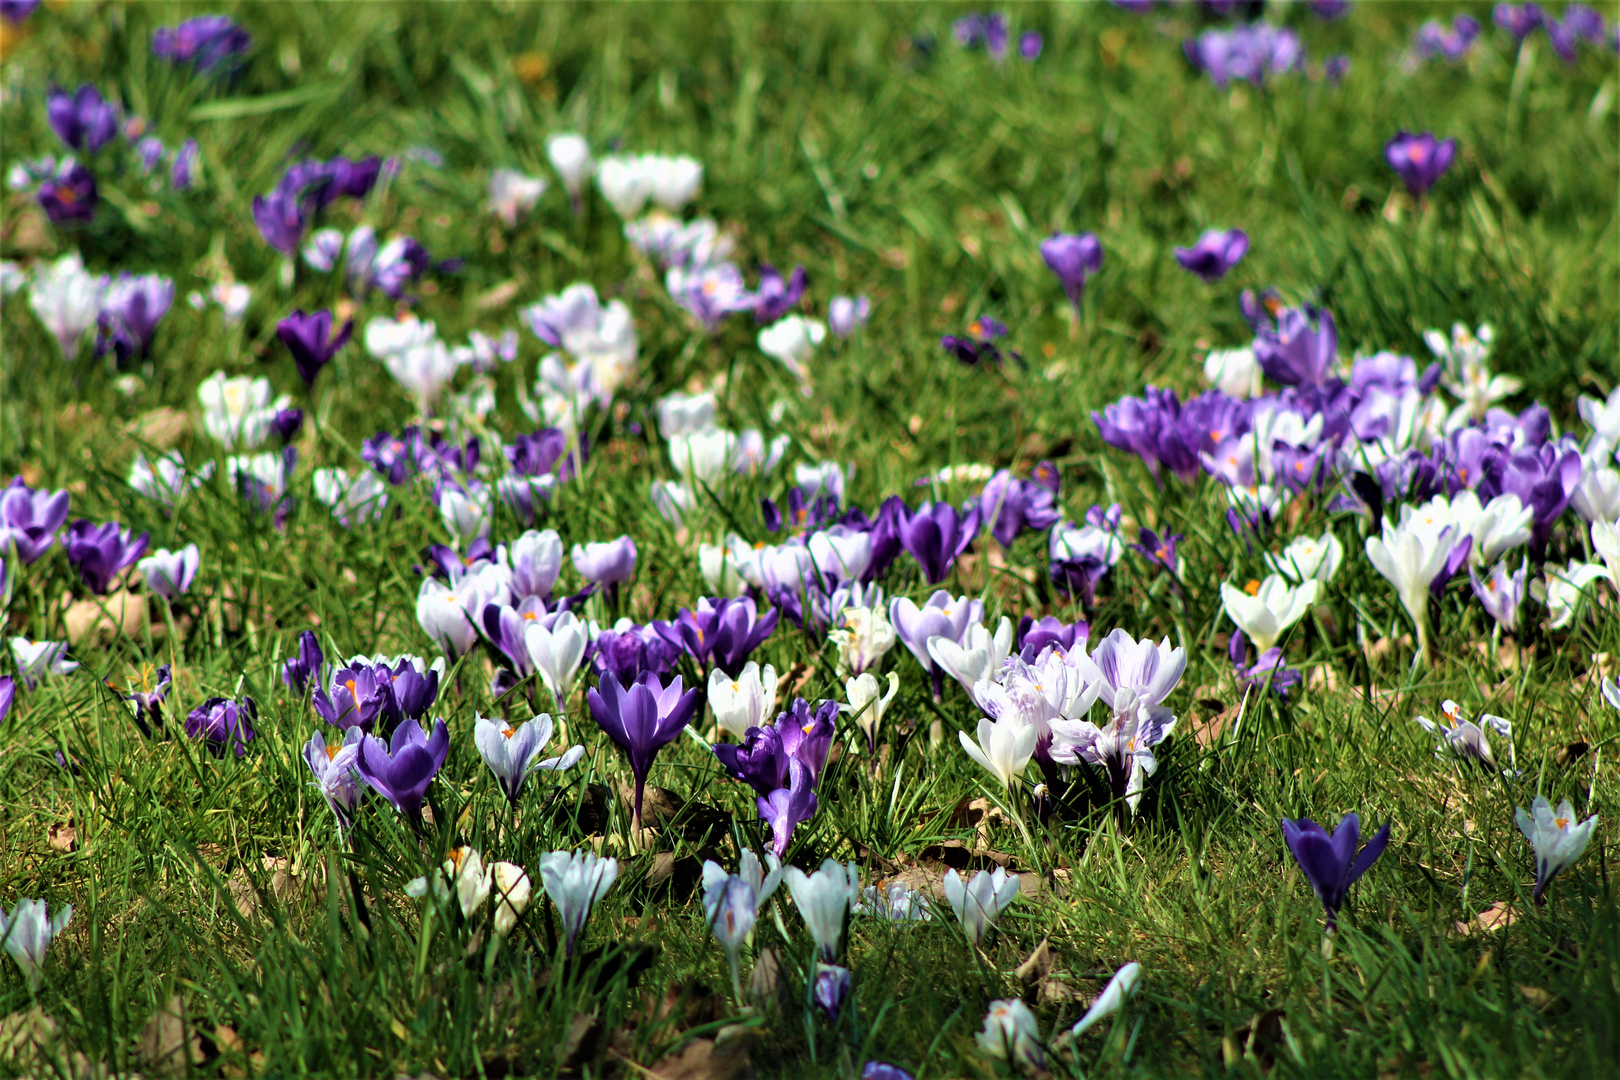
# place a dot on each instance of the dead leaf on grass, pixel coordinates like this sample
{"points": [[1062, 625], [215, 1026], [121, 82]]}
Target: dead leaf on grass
{"points": [[706, 1059], [62, 837], [1498, 916]]}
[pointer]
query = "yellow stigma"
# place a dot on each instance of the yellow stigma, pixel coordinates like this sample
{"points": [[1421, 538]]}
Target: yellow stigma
{"points": [[509, 731], [1562, 822], [1252, 588], [332, 750]]}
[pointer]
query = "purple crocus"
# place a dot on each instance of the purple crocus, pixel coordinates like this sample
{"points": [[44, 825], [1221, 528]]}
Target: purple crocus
{"points": [[941, 615], [1215, 253], [1030, 44], [1543, 477], [146, 692], [354, 699], [402, 769], [8, 691], [393, 456], [1419, 159], [1336, 68], [183, 172], [131, 310], [309, 338], [223, 724], [69, 194], [209, 40], [1073, 257], [148, 152], [786, 808], [1035, 636], [1295, 353], [1520, 20], [935, 534], [14, 12], [979, 342], [776, 297], [989, 30], [1501, 592], [606, 562], [726, 630], [1269, 668], [1160, 551], [281, 218], [710, 293], [628, 651], [100, 552], [642, 719], [1011, 506], [84, 121], [763, 759], [1585, 23], [304, 668], [1330, 862], [29, 519]]}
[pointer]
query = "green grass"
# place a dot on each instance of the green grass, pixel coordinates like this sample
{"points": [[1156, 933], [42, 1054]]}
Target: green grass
{"points": [[925, 181]]}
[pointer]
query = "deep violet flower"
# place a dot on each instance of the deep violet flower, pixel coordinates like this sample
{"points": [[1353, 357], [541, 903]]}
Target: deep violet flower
{"points": [[305, 668], [935, 534], [310, 340], [1035, 636], [763, 759], [627, 651], [402, 769], [1214, 254], [29, 519], [1073, 257], [1330, 863], [642, 719], [209, 40], [69, 194], [776, 297], [130, 312], [1419, 159], [223, 724], [1295, 353], [282, 218], [724, 629], [979, 342], [1011, 506], [101, 552], [84, 121]]}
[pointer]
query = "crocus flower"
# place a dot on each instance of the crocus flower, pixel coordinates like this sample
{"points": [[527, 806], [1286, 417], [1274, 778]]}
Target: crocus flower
{"points": [[606, 562], [17, 11], [534, 559], [145, 692], [829, 987], [575, 881], [69, 194], [867, 704], [1080, 556], [731, 904], [67, 301], [513, 194], [1160, 551], [131, 310], [1462, 737], [847, 314], [402, 769], [29, 519], [238, 411], [8, 691], [511, 753], [1264, 610], [935, 534], [442, 614], [979, 903], [38, 660], [744, 701], [627, 651], [1410, 557], [642, 719], [169, 573], [333, 765], [182, 174], [223, 724], [281, 218], [1330, 863], [27, 933], [101, 552], [1502, 592], [1004, 748], [84, 121], [1309, 558], [724, 630], [305, 668], [1419, 159], [979, 342], [792, 341], [1011, 506], [570, 155], [1120, 989], [1012, 1034], [940, 616], [1294, 354], [775, 296], [1555, 837], [1215, 253], [1073, 258], [709, 292], [310, 340], [824, 898], [862, 638], [555, 646], [208, 40], [786, 808]]}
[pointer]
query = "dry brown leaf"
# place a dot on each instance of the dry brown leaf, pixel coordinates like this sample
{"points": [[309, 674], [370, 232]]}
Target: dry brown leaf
{"points": [[62, 836], [168, 1042], [162, 428], [1539, 999], [765, 986], [706, 1059], [498, 296], [104, 618], [1498, 916], [1038, 965]]}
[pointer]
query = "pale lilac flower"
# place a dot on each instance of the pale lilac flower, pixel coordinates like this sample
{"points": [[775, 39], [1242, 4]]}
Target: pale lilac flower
{"points": [[1555, 837], [169, 573], [67, 300], [27, 933], [575, 881], [513, 194], [38, 660]]}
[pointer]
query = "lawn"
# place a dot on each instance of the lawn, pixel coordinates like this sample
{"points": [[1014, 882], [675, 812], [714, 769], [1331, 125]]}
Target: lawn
{"points": [[446, 460]]}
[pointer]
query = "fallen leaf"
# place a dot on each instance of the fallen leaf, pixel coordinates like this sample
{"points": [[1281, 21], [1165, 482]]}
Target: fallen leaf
{"points": [[161, 428], [1570, 754], [1498, 916], [169, 1044], [1539, 999], [1038, 965], [62, 836], [103, 618], [706, 1059], [765, 985]]}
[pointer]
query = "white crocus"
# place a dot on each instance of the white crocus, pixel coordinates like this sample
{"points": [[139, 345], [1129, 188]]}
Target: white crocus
{"points": [[1234, 372], [1497, 527], [680, 414], [165, 479], [1597, 496], [570, 155], [575, 881], [38, 660], [385, 337], [1562, 588], [353, 499], [468, 513], [1012, 1034], [1606, 541], [703, 456], [979, 903], [1119, 989], [28, 932], [463, 871], [1603, 417], [67, 300], [556, 652], [1004, 747], [624, 183], [867, 703], [823, 899], [239, 411], [1410, 556], [512, 888], [978, 657], [792, 341], [719, 569], [442, 617], [862, 639], [745, 702], [1555, 836], [731, 903], [1270, 608], [1309, 557], [513, 194], [672, 182], [425, 370]]}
